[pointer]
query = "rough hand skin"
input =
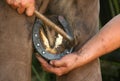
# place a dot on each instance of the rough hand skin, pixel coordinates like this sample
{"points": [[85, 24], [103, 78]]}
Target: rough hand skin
{"points": [[16, 42], [83, 17]]}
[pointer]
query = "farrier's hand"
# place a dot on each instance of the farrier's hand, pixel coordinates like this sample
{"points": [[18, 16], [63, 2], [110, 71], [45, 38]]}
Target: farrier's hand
{"points": [[22, 6], [28, 6], [62, 66]]}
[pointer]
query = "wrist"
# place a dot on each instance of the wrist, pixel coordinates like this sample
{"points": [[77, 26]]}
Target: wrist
{"points": [[83, 57]]}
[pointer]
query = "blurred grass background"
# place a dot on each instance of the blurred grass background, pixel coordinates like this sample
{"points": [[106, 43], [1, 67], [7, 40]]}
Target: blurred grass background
{"points": [[110, 64]]}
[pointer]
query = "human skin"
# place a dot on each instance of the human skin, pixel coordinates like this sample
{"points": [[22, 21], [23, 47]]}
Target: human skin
{"points": [[85, 25], [27, 6], [105, 41], [15, 44], [22, 6]]}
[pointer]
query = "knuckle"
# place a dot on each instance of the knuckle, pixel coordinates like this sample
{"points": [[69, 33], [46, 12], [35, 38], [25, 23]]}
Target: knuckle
{"points": [[23, 4], [15, 4], [59, 73], [8, 1]]}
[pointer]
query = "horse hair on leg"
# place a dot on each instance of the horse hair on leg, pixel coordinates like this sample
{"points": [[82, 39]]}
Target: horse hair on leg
{"points": [[83, 18], [15, 44]]}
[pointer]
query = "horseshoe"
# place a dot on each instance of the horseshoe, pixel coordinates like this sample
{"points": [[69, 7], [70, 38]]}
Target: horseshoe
{"points": [[54, 26], [38, 43]]}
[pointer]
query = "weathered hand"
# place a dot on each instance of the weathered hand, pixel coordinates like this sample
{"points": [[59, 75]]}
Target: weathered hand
{"points": [[60, 67], [22, 6], [27, 6]]}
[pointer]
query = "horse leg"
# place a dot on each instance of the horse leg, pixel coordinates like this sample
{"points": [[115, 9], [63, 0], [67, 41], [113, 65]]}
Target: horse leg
{"points": [[15, 44]]}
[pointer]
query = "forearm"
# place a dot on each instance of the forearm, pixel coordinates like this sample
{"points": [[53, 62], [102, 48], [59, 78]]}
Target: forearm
{"points": [[107, 40]]}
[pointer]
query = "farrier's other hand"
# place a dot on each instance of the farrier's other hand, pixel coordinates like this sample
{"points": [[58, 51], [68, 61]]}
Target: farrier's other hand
{"points": [[22, 6], [62, 66]]}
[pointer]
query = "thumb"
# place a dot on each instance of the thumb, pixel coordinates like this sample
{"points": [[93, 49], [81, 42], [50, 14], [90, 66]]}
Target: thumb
{"points": [[58, 63]]}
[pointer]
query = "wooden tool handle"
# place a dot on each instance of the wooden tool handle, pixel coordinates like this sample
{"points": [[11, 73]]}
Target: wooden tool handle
{"points": [[51, 24]]}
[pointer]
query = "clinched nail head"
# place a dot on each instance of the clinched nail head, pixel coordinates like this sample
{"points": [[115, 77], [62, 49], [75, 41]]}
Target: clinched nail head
{"points": [[36, 35], [43, 52], [38, 44]]}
